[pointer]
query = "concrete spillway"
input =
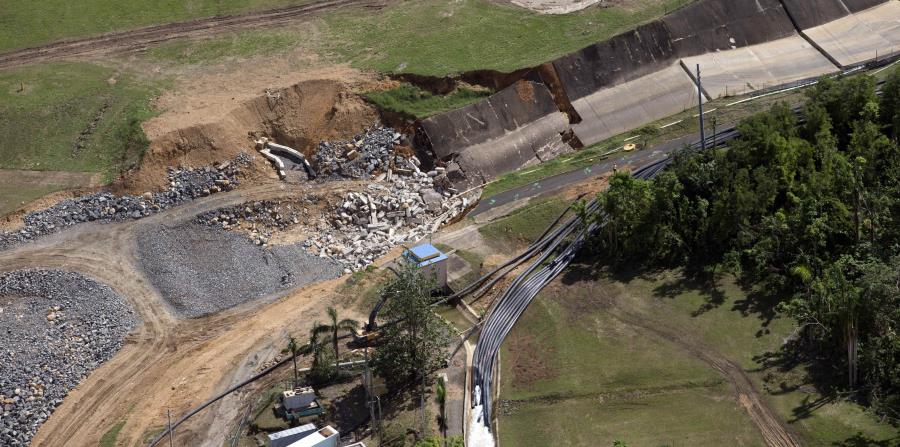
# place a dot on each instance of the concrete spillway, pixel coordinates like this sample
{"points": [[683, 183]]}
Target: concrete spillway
{"points": [[645, 74], [614, 110], [742, 70], [860, 37]]}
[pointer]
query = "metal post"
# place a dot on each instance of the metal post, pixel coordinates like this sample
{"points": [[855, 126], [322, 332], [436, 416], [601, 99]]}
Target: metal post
{"points": [[714, 132], [700, 105], [171, 435]]}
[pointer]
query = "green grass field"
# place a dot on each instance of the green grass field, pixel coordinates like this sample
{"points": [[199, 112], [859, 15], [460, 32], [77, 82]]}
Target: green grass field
{"points": [[524, 225], [72, 117], [438, 38], [411, 101], [607, 379], [573, 372], [25, 23], [229, 46]]}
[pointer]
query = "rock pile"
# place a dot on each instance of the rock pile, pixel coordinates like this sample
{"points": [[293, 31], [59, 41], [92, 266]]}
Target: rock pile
{"points": [[367, 154], [184, 184], [259, 218], [57, 326], [365, 225]]}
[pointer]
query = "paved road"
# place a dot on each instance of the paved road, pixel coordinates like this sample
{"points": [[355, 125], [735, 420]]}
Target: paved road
{"points": [[559, 181]]}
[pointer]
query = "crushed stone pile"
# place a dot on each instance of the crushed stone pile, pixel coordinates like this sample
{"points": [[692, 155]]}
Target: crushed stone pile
{"points": [[202, 269], [56, 328], [259, 218], [367, 154], [184, 184]]}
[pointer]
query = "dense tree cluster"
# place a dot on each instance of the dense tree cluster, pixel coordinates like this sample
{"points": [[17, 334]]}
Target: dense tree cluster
{"points": [[807, 209]]}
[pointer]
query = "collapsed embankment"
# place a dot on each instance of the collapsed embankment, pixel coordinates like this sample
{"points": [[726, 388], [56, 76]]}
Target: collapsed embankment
{"points": [[644, 75], [299, 116]]}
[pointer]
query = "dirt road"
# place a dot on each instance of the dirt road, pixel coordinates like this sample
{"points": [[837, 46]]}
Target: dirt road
{"points": [[141, 37], [167, 362]]}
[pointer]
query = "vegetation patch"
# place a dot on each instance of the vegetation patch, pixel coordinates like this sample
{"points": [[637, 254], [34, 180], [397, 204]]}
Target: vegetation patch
{"points": [[72, 117], [437, 38], [235, 45], [409, 100], [109, 438], [525, 225]]}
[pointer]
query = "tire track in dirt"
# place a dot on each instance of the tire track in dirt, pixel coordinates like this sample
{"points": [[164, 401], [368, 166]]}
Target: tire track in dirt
{"points": [[769, 424], [166, 361], [141, 37]]}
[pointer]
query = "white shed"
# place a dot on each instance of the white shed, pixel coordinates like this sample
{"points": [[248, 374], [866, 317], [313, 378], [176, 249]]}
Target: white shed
{"points": [[284, 438]]}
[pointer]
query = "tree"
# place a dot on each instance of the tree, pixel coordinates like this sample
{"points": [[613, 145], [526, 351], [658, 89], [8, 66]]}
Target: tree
{"points": [[440, 395], [415, 339], [322, 369], [292, 346], [334, 328]]}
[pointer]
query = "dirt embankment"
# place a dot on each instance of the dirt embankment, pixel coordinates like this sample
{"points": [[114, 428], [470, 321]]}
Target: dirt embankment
{"points": [[206, 128]]}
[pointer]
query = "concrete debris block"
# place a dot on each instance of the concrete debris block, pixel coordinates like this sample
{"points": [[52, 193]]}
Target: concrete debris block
{"points": [[85, 326], [184, 184], [365, 156], [364, 226]]}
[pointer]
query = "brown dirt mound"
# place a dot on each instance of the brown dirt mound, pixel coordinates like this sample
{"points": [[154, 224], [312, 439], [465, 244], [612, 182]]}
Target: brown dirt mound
{"points": [[299, 116]]}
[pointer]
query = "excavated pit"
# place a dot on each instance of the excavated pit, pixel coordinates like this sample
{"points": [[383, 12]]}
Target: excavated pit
{"points": [[298, 116]]}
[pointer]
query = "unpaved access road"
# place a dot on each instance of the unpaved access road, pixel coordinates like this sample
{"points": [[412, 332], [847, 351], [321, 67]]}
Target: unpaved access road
{"points": [[142, 37], [167, 362]]}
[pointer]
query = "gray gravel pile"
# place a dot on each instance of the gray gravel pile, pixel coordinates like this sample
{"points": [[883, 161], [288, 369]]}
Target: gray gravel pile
{"points": [[202, 269], [56, 327], [259, 218], [367, 154], [184, 184]]}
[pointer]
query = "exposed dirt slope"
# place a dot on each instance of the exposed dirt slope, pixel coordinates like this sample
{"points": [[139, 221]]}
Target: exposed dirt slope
{"points": [[215, 122]]}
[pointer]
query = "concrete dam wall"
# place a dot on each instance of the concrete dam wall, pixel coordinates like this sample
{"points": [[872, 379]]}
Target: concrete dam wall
{"points": [[647, 74]]}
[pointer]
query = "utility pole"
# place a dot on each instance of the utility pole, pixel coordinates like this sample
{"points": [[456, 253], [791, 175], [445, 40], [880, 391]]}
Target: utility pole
{"points": [[171, 435], [700, 106]]}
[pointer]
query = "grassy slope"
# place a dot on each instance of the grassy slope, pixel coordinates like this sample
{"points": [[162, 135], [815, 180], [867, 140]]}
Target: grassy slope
{"points": [[409, 100], [44, 108], [237, 44], [432, 37], [523, 226], [26, 23]]}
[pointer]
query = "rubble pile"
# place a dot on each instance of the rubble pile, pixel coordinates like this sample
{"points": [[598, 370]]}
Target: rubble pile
{"points": [[259, 218], [184, 184], [365, 225], [57, 327], [366, 155]]}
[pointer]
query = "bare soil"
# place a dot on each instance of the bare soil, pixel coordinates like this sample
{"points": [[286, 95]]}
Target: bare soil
{"points": [[210, 117]]}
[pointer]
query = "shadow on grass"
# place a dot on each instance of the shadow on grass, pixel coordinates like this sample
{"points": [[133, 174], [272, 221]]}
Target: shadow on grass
{"points": [[860, 440]]}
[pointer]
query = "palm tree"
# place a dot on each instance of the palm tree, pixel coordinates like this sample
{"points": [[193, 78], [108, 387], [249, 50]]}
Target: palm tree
{"points": [[441, 397], [335, 327], [292, 346]]}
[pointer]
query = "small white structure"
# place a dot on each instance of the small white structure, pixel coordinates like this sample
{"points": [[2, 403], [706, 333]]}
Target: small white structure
{"points": [[325, 437], [297, 398], [430, 261], [285, 438]]}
